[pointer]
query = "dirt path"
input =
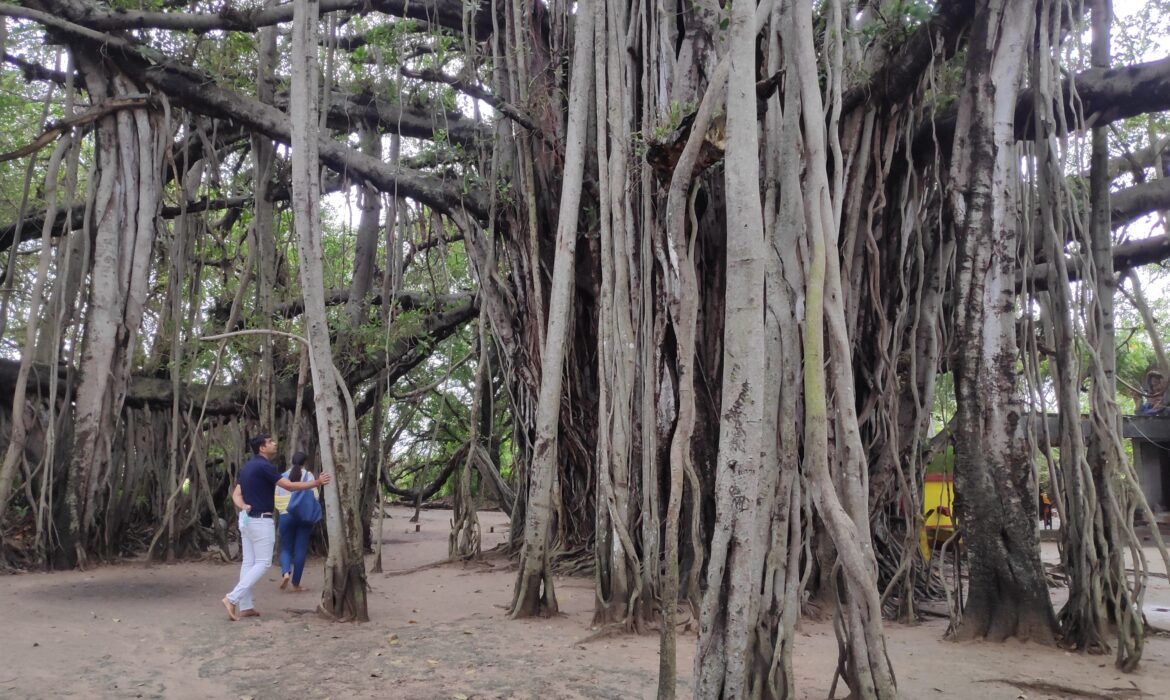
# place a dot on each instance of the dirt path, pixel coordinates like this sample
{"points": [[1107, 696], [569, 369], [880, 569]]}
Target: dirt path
{"points": [[136, 631]]}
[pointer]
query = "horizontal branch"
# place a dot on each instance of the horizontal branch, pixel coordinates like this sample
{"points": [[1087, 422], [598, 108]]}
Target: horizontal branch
{"points": [[1103, 96], [1132, 203], [30, 228], [471, 90], [225, 400], [899, 75], [406, 301], [443, 13], [1126, 256], [406, 350], [405, 353], [191, 152], [35, 71], [347, 111], [1138, 161], [56, 129], [420, 494], [1125, 206], [200, 94]]}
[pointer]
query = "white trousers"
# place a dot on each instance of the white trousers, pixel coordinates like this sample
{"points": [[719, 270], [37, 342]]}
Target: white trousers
{"points": [[257, 540]]}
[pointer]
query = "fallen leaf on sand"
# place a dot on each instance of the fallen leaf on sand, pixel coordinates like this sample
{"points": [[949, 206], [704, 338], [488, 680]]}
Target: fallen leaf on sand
{"points": [[432, 662]]}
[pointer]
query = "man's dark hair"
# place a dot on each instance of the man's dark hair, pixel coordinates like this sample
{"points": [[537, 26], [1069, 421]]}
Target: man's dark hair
{"points": [[257, 442], [298, 459]]}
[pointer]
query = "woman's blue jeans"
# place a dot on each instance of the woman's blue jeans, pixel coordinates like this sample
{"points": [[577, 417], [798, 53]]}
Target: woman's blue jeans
{"points": [[294, 546]]}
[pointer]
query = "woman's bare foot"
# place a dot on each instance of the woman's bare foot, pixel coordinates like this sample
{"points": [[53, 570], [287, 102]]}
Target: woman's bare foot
{"points": [[284, 579], [250, 612], [299, 589], [231, 609]]}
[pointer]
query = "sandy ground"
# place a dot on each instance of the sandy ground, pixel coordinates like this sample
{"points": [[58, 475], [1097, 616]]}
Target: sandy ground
{"points": [[133, 631]]}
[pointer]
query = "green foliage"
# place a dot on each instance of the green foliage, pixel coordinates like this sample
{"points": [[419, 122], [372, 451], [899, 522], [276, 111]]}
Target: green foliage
{"points": [[948, 79], [435, 422], [1135, 352], [944, 402], [943, 461], [675, 117], [22, 120], [1139, 31], [894, 21], [141, 5]]}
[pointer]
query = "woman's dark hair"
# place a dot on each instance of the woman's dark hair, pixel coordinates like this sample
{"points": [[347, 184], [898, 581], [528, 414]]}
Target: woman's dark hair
{"points": [[298, 459]]}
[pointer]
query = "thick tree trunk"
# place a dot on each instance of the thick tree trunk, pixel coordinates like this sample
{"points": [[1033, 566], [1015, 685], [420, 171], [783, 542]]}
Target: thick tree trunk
{"points": [[1008, 595], [770, 673], [1114, 482], [534, 585], [840, 498], [366, 247], [619, 588], [128, 196], [464, 540], [739, 544], [344, 593], [682, 302], [263, 224], [1084, 552]]}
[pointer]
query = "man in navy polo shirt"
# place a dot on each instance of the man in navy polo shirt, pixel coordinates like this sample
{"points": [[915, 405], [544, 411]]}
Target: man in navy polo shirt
{"points": [[254, 494]]}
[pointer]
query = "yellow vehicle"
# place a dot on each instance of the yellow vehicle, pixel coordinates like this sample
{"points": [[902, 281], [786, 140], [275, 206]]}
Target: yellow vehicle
{"points": [[938, 495]]}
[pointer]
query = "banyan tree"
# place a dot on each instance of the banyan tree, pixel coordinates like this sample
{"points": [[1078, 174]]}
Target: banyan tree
{"points": [[675, 283]]}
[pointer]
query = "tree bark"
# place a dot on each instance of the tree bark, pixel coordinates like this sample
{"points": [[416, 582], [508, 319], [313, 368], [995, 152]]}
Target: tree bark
{"points": [[840, 502], [263, 224], [1138, 298], [366, 247], [128, 196], [14, 454], [620, 592], [343, 595], [735, 567], [534, 592], [1118, 499], [771, 671], [444, 13], [1008, 595]]}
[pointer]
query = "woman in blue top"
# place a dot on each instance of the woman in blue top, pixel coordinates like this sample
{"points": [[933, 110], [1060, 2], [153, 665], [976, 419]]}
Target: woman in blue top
{"points": [[296, 524]]}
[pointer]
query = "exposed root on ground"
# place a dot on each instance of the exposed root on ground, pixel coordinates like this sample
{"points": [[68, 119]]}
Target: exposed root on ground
{"points": [[1071, 692]]}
